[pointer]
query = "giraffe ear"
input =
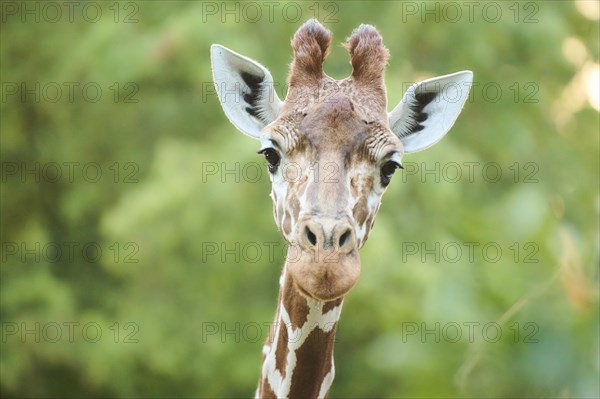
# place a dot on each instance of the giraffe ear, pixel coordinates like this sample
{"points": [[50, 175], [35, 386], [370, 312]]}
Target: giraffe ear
{"points": [[428, 110], [245, 89]]}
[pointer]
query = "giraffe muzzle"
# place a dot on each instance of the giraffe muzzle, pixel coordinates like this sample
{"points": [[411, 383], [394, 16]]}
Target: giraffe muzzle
{"points": [[325, 263]]}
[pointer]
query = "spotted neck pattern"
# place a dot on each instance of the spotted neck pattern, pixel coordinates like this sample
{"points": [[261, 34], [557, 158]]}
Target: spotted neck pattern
{"points": [[298, 355]]}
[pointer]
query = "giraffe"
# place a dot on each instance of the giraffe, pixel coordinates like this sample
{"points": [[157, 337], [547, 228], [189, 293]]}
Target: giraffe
{"points": [[331, 149]]}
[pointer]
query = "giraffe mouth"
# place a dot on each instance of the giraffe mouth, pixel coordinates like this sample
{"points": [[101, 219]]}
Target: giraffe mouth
{"points": [[322, 280]]}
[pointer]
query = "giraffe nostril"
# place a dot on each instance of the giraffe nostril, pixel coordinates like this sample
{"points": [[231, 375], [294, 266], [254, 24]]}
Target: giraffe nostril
{"points": [[311, 236], [344, 238]]}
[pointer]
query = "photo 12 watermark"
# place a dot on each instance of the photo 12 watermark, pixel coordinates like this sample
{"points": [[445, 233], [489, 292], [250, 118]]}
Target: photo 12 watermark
{"points": [[469, 252], [70, 92], [68, 252], [468, 331], [53, 332], [70, 172], [470, 172], [492, 12], [253, 332], [269, 11], [54, 12]]}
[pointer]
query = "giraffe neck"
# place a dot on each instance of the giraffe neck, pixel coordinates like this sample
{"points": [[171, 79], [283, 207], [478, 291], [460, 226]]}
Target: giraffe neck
{"points": [[298, 355]]}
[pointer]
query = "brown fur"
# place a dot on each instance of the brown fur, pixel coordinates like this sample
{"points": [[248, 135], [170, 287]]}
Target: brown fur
{"points": [[294, 304], [314, 362], [368, 55], [309, 85], [282, 349], [311, 47]]}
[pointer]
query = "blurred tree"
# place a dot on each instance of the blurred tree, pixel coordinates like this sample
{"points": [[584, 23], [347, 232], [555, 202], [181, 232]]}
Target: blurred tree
{"points": [[138, 249]]}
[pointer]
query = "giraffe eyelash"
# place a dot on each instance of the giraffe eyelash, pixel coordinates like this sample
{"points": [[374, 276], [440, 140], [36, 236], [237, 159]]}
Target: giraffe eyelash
{"points": [[273, 158], [387, 171]]}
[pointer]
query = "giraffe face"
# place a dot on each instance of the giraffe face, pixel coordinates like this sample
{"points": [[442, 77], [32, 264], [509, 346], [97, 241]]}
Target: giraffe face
{"points": [[331, 146], [328, 162], [329, 168]]}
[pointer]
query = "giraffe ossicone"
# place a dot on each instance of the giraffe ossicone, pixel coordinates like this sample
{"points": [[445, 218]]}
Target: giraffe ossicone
{"points": [[331, 149]]}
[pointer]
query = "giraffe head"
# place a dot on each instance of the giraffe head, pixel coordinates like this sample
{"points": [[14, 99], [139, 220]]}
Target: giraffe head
{"points": [[331, 147]]}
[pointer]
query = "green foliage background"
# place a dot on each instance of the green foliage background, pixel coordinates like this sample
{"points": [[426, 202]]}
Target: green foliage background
{"points": [[164, 208]]}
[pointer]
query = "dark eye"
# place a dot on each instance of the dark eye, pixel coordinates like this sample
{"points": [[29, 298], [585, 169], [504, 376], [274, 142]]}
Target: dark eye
{"points": [[272, 158], [387, 171]]}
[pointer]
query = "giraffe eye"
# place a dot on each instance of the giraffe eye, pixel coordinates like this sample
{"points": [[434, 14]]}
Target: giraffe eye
{"points": [[272, 158], [387, 171]]}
